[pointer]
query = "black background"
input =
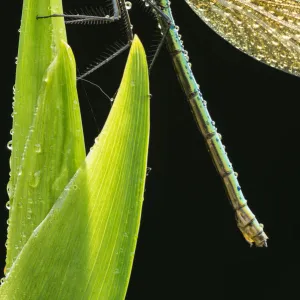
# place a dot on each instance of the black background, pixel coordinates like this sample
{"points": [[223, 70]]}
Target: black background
{"points": [[189, 246]]}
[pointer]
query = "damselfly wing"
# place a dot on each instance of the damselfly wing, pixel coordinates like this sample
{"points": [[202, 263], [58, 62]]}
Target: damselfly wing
{"points": [[267, 30]]}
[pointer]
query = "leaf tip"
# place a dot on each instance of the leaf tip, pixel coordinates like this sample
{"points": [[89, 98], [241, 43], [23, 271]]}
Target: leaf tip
{"points": [[68, 55], [137, 45]]}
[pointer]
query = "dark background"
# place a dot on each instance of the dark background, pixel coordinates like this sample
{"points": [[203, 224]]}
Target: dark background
{"points": [[189, 245]]}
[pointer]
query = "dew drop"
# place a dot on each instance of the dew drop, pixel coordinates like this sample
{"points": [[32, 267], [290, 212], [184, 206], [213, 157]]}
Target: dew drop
{"points": [[132, 83], [37, 148], [35, 179], [9, 145], [7, 205], [9, 189], [128, 5]]}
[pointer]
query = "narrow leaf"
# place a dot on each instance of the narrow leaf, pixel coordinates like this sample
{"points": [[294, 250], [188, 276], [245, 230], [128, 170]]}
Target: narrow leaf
{"points": [[47, 144]]}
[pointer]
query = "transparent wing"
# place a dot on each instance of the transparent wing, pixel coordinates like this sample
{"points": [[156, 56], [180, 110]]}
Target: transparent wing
{"points": [[268, 30]]}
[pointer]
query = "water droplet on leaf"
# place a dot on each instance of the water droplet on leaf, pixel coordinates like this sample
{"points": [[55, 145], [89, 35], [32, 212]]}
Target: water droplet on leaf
{"points": [[37, 148], [35, 179], [9, 145]]}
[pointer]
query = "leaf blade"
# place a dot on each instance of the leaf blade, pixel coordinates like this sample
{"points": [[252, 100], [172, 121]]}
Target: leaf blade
{"points": [[48, 143]]}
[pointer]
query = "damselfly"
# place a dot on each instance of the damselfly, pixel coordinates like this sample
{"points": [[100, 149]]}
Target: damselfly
{"points": [[267, 30]]}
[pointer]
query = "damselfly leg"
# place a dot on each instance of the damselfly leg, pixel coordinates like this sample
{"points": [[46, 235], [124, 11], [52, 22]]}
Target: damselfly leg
{"points": [[120, 12]]}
